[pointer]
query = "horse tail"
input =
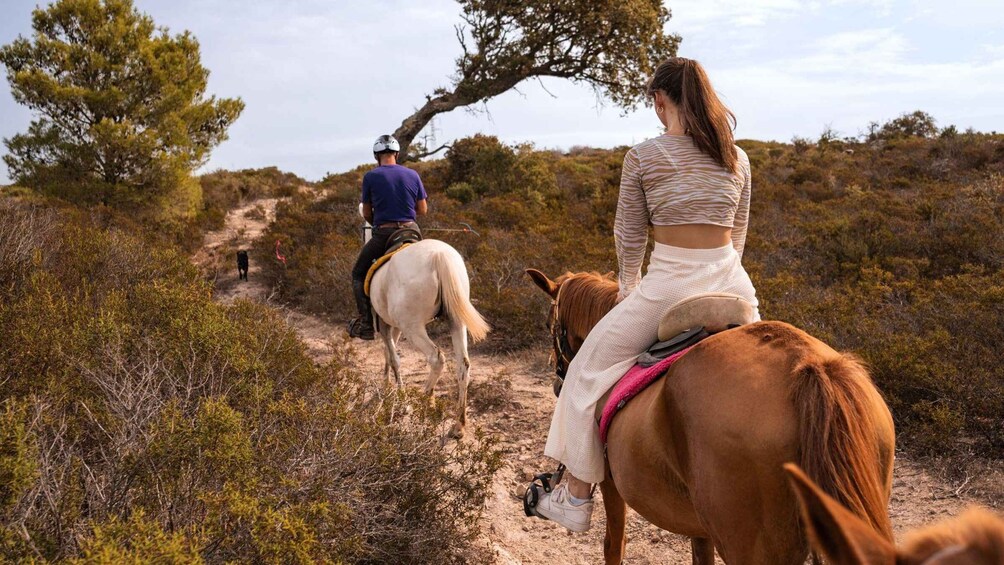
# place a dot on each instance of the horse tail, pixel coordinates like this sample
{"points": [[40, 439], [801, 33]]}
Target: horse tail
{"points": [[455, 290], [841, 440]]}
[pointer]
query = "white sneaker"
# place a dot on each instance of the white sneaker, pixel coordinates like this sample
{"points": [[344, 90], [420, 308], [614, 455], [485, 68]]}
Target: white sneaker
{"points": [[557, 506]]}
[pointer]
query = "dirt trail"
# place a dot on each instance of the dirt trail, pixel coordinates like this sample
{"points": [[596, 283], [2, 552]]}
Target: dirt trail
{"points": [[242, 226], [511, 397]]}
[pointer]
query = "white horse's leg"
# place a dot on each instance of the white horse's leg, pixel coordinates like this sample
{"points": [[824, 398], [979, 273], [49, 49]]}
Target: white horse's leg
{"points": [[433, 355], [391, 358], [395, 335], [386, 353], [459, 333]]}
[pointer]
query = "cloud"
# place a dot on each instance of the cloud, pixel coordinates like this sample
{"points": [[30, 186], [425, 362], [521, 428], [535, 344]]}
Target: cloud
{"points": [[877, 7], [699, 15], [882, 61], [852, 78], [994, 50], [853, 51]]}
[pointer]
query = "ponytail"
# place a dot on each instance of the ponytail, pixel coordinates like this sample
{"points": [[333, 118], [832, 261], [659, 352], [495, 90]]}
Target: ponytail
{"points": [[705, 118]]}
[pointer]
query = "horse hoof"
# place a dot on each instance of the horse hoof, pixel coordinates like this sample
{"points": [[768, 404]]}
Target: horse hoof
{"points": [[456, 432]]}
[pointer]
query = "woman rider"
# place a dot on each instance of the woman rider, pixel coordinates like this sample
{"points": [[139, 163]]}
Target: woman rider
{"points": [[692, 184]]}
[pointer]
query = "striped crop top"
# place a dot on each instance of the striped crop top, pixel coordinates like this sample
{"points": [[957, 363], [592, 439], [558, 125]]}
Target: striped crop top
{"points": [[668, 181]]}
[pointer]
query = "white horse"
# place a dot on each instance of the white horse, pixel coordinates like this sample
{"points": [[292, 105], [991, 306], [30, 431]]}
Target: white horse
{"points": [[422, 281]]}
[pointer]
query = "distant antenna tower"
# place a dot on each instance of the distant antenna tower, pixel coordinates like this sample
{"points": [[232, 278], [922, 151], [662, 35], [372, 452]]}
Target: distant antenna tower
{"points": [[429, 138]]}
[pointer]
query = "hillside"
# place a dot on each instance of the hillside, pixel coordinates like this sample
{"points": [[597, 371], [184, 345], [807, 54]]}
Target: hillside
{"points": [[890, 247], [156, 408]]}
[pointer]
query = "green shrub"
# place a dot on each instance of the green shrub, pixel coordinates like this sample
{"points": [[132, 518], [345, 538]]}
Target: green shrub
{"points": [[913, 124], [225, 190], [484, 163], [18, 458], [461, 191], [137, 540]]}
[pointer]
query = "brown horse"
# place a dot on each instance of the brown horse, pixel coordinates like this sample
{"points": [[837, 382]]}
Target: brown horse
{"points": [[701, 451], [974, 538]]}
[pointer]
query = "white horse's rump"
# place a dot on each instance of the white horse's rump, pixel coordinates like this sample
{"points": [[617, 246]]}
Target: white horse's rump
{"points": [[408, 292]]}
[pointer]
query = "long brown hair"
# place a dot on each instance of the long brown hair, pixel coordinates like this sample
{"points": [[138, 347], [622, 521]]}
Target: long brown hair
{"points": [[703, 115]]}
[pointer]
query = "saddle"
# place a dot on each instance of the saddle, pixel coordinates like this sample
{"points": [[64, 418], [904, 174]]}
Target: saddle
{"points": [[396, 242], [400, 238], [685, 324]]}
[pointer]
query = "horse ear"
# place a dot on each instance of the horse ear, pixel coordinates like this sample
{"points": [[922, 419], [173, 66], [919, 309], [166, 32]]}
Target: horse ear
{"points": [[833, 530], [609, 275], [544, 283]]}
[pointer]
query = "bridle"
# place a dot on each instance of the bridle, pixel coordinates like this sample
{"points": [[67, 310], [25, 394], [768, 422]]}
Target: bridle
{"points": [[563, 353]]}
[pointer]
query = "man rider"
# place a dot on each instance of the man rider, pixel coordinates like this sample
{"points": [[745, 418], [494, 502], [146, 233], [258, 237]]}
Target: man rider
{"points": [[392, 197]]}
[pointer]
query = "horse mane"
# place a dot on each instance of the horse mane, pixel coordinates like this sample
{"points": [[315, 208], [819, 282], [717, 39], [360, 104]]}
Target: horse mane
{"points": [[585, 298], [977, 529], [837, 444]]}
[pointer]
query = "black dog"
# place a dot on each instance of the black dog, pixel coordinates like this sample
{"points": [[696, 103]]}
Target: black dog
{"points": [[242, 265]]}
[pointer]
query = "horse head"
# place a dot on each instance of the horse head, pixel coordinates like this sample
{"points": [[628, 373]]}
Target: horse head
{"points": [[975, 538], [578, 302]]}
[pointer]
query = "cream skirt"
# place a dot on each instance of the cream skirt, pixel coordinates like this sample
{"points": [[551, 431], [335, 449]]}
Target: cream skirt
{"points": [[627, 331]]}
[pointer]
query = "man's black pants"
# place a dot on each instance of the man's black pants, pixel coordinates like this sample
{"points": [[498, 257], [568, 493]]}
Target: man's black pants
{"points": [[372, 251]]}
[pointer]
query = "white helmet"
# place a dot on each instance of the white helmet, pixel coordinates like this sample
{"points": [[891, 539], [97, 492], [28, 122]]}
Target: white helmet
{"points": [[386, 143]]}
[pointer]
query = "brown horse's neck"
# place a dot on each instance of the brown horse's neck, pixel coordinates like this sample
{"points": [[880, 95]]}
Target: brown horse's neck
{"points": [[583, 300]]}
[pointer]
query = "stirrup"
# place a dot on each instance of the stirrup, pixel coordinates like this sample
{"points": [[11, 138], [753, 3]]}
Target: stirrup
{"points": [[542, 482], [357, 330]]}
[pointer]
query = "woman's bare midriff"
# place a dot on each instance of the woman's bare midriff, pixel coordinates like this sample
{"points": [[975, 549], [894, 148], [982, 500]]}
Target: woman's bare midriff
{"points": [[694, 236]]}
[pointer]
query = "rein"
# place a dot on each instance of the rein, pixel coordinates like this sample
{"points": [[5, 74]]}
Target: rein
{"points": [[563, 353]]}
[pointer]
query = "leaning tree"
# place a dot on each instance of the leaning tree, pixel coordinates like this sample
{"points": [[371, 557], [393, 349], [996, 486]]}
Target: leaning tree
{"points": [[612, 45], [121, 112]]}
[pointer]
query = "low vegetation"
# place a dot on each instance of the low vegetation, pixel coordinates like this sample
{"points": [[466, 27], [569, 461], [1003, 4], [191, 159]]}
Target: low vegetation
{"points": [[223, 191], [141, 421], [890, 245]]}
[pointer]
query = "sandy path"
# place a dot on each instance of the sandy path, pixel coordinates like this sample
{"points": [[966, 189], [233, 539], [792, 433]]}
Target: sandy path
{"points": [[511, 397], [522, 419], [242, 226]]}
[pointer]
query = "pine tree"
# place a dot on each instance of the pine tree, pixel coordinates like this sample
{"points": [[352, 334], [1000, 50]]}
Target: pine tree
{"points": [[121, 112]]}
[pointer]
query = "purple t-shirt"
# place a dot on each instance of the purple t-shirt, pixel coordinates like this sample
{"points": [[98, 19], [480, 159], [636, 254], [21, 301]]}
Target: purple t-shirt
{"points": [[392, 190]]}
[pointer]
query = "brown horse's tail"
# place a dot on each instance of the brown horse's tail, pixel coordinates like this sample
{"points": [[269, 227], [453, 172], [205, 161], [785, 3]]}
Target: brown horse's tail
{"points": [[840, 437]]}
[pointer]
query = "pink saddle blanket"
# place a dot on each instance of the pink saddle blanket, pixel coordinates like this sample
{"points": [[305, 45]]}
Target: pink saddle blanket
{"points": [[633, 382]]}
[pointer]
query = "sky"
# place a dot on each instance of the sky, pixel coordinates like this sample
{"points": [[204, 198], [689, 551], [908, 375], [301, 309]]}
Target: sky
{"points": [[322, 79]]}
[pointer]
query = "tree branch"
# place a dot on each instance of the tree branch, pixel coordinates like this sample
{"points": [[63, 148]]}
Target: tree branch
{"points": [[611, 46], [429, 153]]}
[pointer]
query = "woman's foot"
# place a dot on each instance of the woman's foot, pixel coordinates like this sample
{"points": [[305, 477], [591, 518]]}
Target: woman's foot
{"points": [[558, 506]]}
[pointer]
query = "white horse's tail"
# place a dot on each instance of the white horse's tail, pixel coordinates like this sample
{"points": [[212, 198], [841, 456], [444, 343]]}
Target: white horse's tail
{"points": [[455, 289]]}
